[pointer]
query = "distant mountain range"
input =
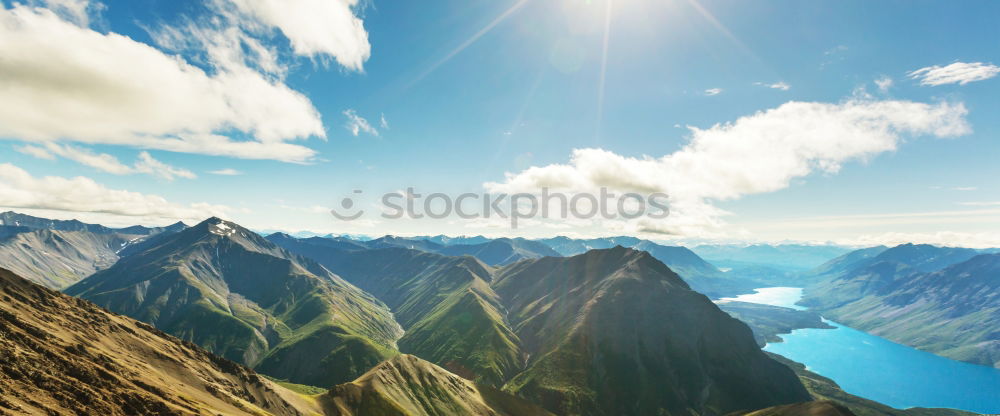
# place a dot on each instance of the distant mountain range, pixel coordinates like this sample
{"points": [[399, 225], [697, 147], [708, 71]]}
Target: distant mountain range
{"points": [[781, 256], [13, 219], [57, 253], [701, 275], [943, 300]]}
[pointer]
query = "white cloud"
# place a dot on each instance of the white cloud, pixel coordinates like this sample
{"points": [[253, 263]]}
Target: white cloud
{"points": [[315, 28], [713, 91], [384, 123], [957, 73], [146, 164], [108, 163], [64, 82], [755, 154], [964, 188], [20, 190], [35, 151], [884, 83], [357, 124], [941, 238], [226, 172], [102, 162], [780, 85], [76, 11]]}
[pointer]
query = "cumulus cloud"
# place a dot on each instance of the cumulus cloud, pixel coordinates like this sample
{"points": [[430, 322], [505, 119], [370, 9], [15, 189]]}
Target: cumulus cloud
{"points": [[780, 85], [315, 28], [65, 82], [957, 73], [755, 154], [108, 163], [713, 91], [357, 124], [21, 190]]}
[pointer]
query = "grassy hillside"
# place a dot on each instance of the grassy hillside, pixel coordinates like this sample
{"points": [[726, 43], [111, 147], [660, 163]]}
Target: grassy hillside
{"points": [[60, 355], [409, 386]]}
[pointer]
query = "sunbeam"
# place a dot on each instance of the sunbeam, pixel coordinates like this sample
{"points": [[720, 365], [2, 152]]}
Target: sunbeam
{"points": [[486, 29]]}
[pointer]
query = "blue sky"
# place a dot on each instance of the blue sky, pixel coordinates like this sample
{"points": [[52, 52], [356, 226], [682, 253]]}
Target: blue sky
{"points": [[471, 91]]}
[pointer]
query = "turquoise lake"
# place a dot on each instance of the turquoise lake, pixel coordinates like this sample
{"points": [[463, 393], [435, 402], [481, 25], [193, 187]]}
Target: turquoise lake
{"points": [[875, 368]]}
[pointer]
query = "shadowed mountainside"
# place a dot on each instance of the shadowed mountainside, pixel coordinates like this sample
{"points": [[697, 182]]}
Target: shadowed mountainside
{"points": [[616, 332]]}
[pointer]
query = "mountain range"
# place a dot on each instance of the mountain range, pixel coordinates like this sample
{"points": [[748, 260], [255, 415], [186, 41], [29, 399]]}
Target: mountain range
{"points": [[515, 326], [419, 326], [64, 355], [57, 253]]}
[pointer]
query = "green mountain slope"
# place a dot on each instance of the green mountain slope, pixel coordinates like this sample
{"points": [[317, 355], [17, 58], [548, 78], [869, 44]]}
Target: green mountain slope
{"points": [[409, 386], [238, 295], [616, 332], [450, 313]]}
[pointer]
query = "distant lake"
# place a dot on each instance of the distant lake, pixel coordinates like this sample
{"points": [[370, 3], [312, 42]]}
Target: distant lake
{"points": [[878, 369], [776, 296]]}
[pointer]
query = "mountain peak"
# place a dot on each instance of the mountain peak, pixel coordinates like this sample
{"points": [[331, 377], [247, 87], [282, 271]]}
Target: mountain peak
{"points": [[221, 227]]}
